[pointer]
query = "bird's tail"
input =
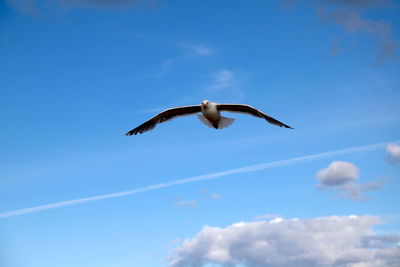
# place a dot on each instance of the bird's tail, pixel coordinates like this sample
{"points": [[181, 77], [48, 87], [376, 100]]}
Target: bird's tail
{"points": [[205, 121], [225, 122]]}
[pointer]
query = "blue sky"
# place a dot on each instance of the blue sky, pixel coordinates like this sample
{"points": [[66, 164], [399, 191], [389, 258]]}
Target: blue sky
{"points": [[75, 76]]}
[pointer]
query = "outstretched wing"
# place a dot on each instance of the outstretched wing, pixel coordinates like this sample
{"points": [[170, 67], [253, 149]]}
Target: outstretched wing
{"points": [[252, 111], [164, 116]]}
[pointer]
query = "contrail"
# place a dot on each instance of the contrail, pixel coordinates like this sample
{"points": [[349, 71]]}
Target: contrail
{"points": [[251, 168]]}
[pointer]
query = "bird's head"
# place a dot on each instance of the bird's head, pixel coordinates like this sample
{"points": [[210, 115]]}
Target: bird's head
{"points": [[205, 103]]}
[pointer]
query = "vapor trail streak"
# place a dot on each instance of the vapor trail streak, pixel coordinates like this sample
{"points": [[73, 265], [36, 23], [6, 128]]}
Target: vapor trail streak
{"points": [[251, 168]]}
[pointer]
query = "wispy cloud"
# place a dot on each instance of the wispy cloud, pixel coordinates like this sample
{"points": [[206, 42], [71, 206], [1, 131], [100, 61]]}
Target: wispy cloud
{"points": [[36, 7], [166, 66], [161, 70], [348, 14], [191, 203], [26, 7], [197, 49], [206, 193], [104, 2], [355, 191], [210, 176], [223, 79], [215, 196], [194, 203], [351, 15], [225, 85]]}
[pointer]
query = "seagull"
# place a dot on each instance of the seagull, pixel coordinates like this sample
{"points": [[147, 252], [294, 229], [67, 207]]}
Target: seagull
{"points": [[211, 116]]}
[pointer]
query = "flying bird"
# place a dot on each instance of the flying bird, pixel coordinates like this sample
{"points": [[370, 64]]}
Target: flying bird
{"points": [[211, 116]]}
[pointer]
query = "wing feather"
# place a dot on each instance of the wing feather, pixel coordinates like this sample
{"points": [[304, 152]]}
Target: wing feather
{"points": [[240, 108], [164, 116]]}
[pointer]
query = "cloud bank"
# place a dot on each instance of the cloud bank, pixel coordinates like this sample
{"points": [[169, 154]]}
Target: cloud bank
{"points": [[342, 176], [335, 241]]}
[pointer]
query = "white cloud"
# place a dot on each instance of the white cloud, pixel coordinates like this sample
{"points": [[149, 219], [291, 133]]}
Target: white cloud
{"points": [[393, 153], [338, 173], [342, 176], [335, 241]]}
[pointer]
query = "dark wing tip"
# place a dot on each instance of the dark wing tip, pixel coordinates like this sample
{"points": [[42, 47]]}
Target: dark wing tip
{"points": [[287, 126], [130, 133], [147, 126], [276, 122]]}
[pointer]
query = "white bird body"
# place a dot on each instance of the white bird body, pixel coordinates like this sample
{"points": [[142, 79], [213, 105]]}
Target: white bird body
{"points": [[211, 116], [211, 113]]}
